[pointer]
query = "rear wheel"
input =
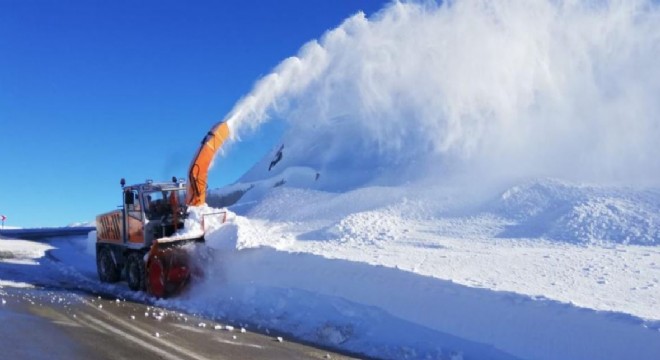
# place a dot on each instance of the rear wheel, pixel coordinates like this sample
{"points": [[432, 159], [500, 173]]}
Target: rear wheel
{"points": [[135, 271], [105, 266]]}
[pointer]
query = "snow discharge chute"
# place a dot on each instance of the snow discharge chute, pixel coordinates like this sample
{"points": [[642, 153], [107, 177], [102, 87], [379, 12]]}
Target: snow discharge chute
{"points": [[168, 267], [199, 168]]}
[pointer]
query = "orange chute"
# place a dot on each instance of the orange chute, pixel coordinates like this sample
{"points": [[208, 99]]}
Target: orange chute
{"points": [[199, 168]]}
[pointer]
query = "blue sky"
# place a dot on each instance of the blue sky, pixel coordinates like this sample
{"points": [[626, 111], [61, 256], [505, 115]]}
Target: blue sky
{"points": [[92, 91]]}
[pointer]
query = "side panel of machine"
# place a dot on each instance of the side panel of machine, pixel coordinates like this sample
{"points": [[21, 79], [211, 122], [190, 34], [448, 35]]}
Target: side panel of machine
{"points": [[135, 231], [109, 227]]}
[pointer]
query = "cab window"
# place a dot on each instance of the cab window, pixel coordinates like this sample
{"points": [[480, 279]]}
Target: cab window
{"points": [[133, 205]]}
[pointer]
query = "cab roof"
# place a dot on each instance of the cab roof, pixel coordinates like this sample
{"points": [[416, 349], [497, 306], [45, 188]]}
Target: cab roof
{"points": [[157, 186]]}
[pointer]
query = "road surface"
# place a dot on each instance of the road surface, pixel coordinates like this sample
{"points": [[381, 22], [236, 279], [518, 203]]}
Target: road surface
{"points": [[56, 324], [49, 310]]}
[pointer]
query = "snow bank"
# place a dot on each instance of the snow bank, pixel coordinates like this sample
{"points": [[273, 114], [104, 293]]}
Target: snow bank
{"points": [[396, 272], [545, 208], [581, 214], [21, 252], [388, 313]]}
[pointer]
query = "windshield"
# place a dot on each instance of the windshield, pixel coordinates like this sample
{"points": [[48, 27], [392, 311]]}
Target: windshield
{"points": [[158, 204]]}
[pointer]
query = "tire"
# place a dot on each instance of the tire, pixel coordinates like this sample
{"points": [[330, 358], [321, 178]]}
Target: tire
{"points": [[135, 271], [105, 265]]}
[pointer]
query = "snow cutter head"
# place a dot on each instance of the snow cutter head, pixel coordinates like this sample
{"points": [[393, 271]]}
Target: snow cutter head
{"points": [[169, 267]]}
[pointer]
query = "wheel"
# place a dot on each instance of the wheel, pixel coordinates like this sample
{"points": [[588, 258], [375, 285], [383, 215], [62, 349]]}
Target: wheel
{"points": [[105, 265], [135, 271], [156, 278]]}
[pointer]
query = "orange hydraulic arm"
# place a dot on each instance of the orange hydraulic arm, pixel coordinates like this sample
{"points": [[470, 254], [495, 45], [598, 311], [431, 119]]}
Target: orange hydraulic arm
{"points": [[199, 168]]}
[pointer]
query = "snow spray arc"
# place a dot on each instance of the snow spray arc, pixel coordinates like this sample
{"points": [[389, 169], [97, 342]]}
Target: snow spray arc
{"points": [[517, 88]]}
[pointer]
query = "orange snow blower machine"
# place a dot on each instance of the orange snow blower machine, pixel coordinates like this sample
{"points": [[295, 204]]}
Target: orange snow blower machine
{"points": [[136, 242]]}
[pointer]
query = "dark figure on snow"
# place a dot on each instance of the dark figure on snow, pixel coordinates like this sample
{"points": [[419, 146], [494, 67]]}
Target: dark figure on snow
{"points": [[277, 158]]}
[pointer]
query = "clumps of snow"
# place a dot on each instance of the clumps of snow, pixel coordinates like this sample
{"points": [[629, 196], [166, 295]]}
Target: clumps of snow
{"points": [[620, 220], [583, 214], [224, 238], [200, 220], [334, 335], [240, 232], [368, 228]]}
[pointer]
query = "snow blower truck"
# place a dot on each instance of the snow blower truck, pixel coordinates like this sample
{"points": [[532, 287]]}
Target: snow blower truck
{"points": [[136, 241]]}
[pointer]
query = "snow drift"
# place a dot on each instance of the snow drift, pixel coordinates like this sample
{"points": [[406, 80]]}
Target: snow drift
{"points": [[392, 272], [581, 214]]}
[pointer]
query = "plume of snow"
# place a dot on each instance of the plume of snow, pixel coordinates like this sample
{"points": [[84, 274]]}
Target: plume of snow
{"points": [[475, 89]]}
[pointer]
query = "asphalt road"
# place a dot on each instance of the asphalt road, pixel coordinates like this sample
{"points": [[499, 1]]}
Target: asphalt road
{"points": [[45, 324]]}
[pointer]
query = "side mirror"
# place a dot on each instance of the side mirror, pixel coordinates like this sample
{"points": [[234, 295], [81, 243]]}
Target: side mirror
{"points": [[128, 197]]}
